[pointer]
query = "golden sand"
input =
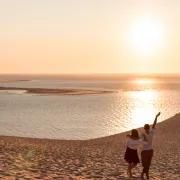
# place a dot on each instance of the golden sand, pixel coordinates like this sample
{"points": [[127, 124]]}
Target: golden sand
{"points": [[102, 158]]}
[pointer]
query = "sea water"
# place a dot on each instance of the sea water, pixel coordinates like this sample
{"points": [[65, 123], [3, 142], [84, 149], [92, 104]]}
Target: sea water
{"points": [[135, 101]]}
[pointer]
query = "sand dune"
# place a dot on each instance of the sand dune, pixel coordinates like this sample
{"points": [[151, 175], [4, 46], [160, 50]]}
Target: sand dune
{"points": [[101, 158]]}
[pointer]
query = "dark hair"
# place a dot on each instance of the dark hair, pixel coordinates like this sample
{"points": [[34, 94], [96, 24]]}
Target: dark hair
{"points": [[146, 126], [134, 134]]}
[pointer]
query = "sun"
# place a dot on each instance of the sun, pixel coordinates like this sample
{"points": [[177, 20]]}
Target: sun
{"points": [[146, 35]]}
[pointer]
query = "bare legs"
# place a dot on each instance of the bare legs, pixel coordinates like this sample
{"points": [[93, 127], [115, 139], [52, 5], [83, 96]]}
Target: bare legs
{"points": [[130, 167], [129, 173]]}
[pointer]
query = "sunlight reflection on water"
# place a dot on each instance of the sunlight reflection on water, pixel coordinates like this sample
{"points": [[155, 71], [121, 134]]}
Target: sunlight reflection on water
{"points": [[144, 81], [144, 103], [144, 108]]}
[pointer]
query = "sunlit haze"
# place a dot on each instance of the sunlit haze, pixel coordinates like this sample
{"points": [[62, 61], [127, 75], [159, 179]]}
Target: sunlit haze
{"points": [[146, 36], [92, 36]]}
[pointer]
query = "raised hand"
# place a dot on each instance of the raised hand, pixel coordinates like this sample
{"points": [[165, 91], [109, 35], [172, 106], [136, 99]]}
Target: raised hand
{"points": [[155, 120], [158, 114]]}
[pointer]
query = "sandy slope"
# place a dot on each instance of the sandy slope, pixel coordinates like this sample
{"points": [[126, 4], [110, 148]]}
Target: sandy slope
{"points": [[102, 158]]}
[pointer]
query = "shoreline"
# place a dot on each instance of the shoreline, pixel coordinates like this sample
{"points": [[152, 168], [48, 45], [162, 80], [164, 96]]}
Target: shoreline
{"points": [[100, 158], [45, 91]]}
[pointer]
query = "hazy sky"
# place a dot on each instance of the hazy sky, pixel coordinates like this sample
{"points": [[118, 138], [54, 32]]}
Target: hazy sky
{"points": [[89, 36]]}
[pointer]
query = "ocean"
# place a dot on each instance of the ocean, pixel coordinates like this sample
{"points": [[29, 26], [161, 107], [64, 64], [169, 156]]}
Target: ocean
{"points": [[135, 101]]}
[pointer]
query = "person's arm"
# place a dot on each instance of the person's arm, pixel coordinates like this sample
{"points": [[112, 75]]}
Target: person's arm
{"points": [[155, 120], [143, 142], [127, 140]]}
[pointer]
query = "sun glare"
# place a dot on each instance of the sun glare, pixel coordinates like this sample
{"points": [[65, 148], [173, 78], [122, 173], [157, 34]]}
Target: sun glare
{"points": [[146, 34]]}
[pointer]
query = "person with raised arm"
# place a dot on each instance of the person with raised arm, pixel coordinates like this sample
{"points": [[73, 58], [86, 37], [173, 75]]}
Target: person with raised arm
{"points": [[147, 152]]}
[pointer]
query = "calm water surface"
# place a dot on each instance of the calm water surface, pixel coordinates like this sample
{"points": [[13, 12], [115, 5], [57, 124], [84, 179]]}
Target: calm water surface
{"points": [[85, 116]]}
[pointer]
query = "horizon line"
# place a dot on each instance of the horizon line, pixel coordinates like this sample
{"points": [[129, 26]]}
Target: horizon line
{"points": [[91, 74]]}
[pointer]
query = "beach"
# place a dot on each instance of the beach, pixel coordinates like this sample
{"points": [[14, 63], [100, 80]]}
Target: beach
{"points": [[101, 158], [77, 78]]}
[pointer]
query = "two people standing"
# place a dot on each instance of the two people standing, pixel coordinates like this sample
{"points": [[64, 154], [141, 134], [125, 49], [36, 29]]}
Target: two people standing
{"points": [[134, 140]]}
